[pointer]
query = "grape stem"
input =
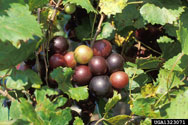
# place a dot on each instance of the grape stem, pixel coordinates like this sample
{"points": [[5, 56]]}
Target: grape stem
{"points": [[98, 30], [99, 121], [5, 94], [55, 12]]}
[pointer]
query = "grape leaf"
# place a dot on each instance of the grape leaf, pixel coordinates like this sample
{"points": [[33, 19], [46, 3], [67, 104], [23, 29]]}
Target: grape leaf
{"points": [[149, 63], [140, 77], [78, 121], [29, 112], [184, 18], [111, 7], [147, 121], [149, 90], [143, 107], [178, 107], [165, 39], [59, 101], [79, 93], [15, 122], [11, 56], [63, 78], [61, 117], [6, 5], [174, 80], [33, 78], [155, 15], [118, 120], [106, 32], [14, 27], [183, 38], [111, 102], [3, 112], [19, 79], [86, 4], [83, 31], [130, 16], [181, 65], [33, 4], [169, 50], [171, 30], [15, 110]]}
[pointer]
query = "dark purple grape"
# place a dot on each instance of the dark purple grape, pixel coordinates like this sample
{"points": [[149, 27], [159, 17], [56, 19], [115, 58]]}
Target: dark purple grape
{"points": [[100, 86], [115, 62], [98, 65]]}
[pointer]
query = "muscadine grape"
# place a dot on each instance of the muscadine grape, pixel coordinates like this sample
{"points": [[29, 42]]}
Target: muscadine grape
{"points": [[83, 54], [119, 79]]}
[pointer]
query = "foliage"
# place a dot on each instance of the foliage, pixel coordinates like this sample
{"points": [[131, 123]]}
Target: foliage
{"points": [[151, 35]]}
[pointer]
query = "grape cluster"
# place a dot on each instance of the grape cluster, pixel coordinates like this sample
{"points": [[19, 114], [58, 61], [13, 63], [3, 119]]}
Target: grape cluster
{"points": [[96, 67]]}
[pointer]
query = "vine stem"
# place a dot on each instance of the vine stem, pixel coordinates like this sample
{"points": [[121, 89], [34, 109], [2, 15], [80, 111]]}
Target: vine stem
{"points": [[98, 29], [137, 2], [5, 94], [55, 12], [99, 121], [147, 46]]}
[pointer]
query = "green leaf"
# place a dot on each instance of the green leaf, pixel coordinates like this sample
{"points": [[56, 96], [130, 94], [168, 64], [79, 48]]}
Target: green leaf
{"points": [[6, 5], [170, 50], [149, 63], [106, 32], [61, 117], [183, 38], [29, 112], [3, 113], [181, 65], [63, 78], [140, 77], [33, 4], [131, 69], [184, 18], [171, 30], [173, 78], [78, 121], [138, 81], [131, 16], [147, 121], [79, 93], [83, 31], [14, 27], [44, 106], [11, 56], [118, 120], [86, 4], [143, 107], [4, 72], [178, 107], [156, 15], [111, 7], [112, 102], [165, 39], [149, 90], [17, 80], [16, 122], [60, 101], [33, 78], [15, 110]]}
